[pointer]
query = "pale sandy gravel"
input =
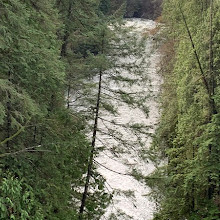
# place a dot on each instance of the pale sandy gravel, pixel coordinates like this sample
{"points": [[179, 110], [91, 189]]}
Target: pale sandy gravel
{"points": [[138, 206]]}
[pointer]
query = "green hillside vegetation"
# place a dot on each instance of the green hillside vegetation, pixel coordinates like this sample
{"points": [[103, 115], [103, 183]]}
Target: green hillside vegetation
{"points": [[51, 52], [188, 137], [44, 45]]}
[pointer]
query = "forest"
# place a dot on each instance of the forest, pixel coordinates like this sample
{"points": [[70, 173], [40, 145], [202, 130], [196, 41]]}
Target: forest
{"points": [[188, 135], [54, 56]]}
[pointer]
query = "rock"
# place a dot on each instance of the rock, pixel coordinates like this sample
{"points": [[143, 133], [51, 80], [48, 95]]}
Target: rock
{"points": [[149, 9]]}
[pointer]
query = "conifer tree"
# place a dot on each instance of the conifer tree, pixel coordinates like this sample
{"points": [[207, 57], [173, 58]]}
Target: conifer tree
{"points": [[186, 135], [107, 69], [41, 141]]}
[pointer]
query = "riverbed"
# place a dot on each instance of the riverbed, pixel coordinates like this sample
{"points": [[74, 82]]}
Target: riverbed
{"points": [[131, 199]]}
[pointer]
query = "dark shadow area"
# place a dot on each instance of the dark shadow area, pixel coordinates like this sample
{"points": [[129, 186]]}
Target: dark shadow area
{"points": [[149, 9], [136, 15]]}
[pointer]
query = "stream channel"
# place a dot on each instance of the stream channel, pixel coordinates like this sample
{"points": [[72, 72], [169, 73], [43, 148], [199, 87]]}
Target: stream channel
{"points": [[118, 160], [131, 197]]}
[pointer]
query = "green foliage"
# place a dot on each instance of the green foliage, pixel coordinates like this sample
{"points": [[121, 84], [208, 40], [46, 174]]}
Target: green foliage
{"points": [[104, 6], [188, 133], [17, 200], [43, 147], [47, 49]]}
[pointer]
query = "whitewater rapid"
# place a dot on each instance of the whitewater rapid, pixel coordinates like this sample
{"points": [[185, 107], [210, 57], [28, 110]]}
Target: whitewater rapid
{"points": [[131, 198]]}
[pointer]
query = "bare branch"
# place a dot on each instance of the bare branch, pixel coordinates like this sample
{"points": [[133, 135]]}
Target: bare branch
{"points": [[29, 149], [13, 136], [125, 174]]}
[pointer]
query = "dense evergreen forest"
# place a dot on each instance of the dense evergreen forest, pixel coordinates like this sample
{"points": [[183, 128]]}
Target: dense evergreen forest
{"points": [[47, 49], [188, 138], [54, 48], [51, 53]]}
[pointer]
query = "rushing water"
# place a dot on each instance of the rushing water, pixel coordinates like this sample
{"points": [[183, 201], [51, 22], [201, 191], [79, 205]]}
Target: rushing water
{"points": [[131, 199]]}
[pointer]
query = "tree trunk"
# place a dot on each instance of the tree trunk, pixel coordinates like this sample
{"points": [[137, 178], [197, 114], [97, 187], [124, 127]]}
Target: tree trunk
{"points": [[68, 96], [95, 128], [89, 171], [206, 84]]}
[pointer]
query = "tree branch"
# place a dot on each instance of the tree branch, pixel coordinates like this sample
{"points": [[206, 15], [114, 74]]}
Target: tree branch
{"points": [[124, 174]]}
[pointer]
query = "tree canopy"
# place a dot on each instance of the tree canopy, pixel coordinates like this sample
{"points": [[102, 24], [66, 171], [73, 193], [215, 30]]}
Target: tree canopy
{"points": [[188, 133]]}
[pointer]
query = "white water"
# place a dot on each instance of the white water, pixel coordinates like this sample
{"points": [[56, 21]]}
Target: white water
{"points": [[130, 196]]}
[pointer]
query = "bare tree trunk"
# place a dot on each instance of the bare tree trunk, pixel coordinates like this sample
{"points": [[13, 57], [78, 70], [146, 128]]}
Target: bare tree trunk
{"points": [[195, 51], [68, 96], [90, 164], [95, 128]]}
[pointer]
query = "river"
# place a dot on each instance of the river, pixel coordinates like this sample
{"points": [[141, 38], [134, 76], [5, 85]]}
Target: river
{"points": [[131, 198]]}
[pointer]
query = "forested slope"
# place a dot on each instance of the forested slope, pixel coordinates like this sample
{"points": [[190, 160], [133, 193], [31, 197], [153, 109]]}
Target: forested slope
{"points": [[45, 47], [188, 137], [48, 50]]}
